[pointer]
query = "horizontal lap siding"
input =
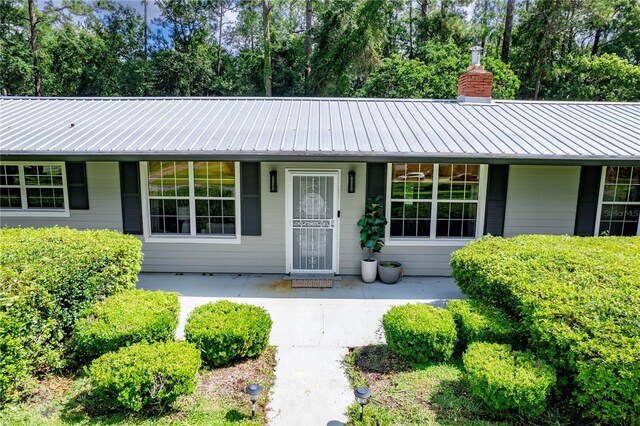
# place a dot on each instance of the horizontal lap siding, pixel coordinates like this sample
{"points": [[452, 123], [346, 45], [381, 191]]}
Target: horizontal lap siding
{"points": [[421, 260], [104, 204], [541, 200]]}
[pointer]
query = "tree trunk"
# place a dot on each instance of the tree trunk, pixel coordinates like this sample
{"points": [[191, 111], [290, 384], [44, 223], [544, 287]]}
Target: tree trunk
{"points": [[424, 8], [34, 48], [508, 26], [410, 29], [308, 43], [443, 9], [220, 23], [596, 42], [266, 43]]}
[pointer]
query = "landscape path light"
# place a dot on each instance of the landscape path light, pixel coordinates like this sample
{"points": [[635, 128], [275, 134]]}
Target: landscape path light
{"points": [[253, 390], [362, 396]]}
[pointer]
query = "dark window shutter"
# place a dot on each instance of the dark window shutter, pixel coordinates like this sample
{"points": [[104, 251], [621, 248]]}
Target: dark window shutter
{"points": [[376, 181], [588, 193], [77, 185], [250, 199], [131, 197], [496, 199]]}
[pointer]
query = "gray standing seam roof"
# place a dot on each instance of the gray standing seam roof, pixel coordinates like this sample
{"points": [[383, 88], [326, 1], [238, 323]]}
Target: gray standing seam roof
{"points": [[319, 127]]}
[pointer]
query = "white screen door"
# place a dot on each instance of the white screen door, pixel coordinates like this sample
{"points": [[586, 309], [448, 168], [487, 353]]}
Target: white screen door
{"points": [[312, 221]]}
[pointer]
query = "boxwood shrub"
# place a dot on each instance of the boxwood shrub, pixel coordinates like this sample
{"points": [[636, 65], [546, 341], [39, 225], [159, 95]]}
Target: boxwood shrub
{"points": [[420, 333], [578, 299], [480, 322], [144, 375], [506, 380], [225, 331], [125, 318], [48, 277]]}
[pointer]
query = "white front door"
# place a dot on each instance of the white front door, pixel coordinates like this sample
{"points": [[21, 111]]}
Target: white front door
{"points": [[312, 221]]}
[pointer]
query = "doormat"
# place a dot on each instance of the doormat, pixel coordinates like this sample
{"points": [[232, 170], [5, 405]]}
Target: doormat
{"points": [[311, 283]]}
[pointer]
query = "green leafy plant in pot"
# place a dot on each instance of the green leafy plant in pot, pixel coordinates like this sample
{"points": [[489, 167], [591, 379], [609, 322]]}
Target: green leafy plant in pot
{"points": [[371, 225], [389, 271]]}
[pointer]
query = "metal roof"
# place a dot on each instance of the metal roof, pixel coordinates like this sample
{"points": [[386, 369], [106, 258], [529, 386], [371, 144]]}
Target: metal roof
{"points": [[319, 127]]}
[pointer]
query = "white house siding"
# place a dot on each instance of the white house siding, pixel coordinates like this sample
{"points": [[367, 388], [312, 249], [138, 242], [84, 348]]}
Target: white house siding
{"points": [[104, 212], [266, 253], [541, 200]]}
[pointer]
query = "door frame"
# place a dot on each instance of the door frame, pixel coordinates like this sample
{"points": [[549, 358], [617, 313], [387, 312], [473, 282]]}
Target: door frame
{"points": [[289, 173]]}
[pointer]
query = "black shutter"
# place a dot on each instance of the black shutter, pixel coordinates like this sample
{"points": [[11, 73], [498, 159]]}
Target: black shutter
{"points": [[588, 193], [376, 181], [250, 199], [496, 199], [131, 197], [77, 185]]}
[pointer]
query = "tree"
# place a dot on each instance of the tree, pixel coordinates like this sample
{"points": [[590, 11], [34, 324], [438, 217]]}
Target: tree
{"points": [[508, 27], [266, 43]]}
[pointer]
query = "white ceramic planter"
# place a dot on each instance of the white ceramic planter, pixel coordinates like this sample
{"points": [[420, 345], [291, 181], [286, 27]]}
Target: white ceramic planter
{"points": [[369, 270]]}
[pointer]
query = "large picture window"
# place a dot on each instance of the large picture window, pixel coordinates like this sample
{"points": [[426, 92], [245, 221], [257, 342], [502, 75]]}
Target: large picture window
{"points": [[192, 198], [33, 187], [429, 201], [620, 202]]}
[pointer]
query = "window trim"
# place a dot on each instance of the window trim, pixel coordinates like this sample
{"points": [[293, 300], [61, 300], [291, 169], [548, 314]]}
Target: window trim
{"points": [[25, 211], [603, 176], [148, 237], [432, 240]]}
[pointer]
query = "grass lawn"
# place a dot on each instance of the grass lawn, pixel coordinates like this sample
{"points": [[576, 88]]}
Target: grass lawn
{"points": [[218, 400], [433, 394]]}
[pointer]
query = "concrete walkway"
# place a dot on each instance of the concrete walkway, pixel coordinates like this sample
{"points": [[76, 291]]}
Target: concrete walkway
{"points": [[312, 328]]}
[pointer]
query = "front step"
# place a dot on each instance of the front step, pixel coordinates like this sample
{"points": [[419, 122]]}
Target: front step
{"points": [[299, 280]]}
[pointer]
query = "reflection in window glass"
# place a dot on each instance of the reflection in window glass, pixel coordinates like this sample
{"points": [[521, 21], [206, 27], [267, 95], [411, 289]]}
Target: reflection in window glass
{"points": [[413, 198], [41, 185], [620, 207], [176, 188]]}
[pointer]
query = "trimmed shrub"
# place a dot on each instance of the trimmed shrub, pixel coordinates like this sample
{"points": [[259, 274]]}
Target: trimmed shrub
{"points": [[225, 331], [479, 322], [48, 277], [508, 380], [123, 319], [145, 375], [578, 299], [419, 333]]}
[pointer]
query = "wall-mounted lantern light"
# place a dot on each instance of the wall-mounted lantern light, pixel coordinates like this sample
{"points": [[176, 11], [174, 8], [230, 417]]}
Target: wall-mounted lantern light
{"points": [[351, 182], [253, 390], [362, 395], [273, 181]]}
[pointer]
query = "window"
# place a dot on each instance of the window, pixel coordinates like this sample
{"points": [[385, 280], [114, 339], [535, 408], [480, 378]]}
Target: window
{"points": [[192, 198], [620, 201], [33, 187], [433, 201]]}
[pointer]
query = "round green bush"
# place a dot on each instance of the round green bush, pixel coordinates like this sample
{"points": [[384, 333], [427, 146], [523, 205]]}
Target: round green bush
{"points": [[481, 322], [420, 333], [225, 331], [144, 375], [508, 380], [123, 319]]}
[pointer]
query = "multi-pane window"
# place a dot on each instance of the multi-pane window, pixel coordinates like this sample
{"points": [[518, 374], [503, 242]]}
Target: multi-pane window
{"points": [[32, 187], [434, 200], [192, 197], [620, 203]]}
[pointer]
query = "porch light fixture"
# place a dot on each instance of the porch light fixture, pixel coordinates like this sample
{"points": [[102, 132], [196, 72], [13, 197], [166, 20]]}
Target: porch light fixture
{"points": [[362, 396], [351, 182], [253, 390], [273, 181]]}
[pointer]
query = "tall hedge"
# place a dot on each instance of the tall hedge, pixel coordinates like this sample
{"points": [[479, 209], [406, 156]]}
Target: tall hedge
{"points": [[579, 301], [48, 277]]}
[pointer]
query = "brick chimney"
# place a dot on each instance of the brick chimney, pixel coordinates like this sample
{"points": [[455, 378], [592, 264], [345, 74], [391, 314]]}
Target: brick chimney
{"points": [[475, 84]]}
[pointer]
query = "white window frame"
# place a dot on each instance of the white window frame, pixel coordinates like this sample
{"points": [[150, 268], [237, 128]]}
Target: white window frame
{"points": [[193, 237], [603, 176], [25, 211], [432, 240]]}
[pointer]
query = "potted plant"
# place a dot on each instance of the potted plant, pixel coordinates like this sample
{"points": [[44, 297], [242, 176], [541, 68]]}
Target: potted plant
{"points": [[371, 225], [389, 271]]}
